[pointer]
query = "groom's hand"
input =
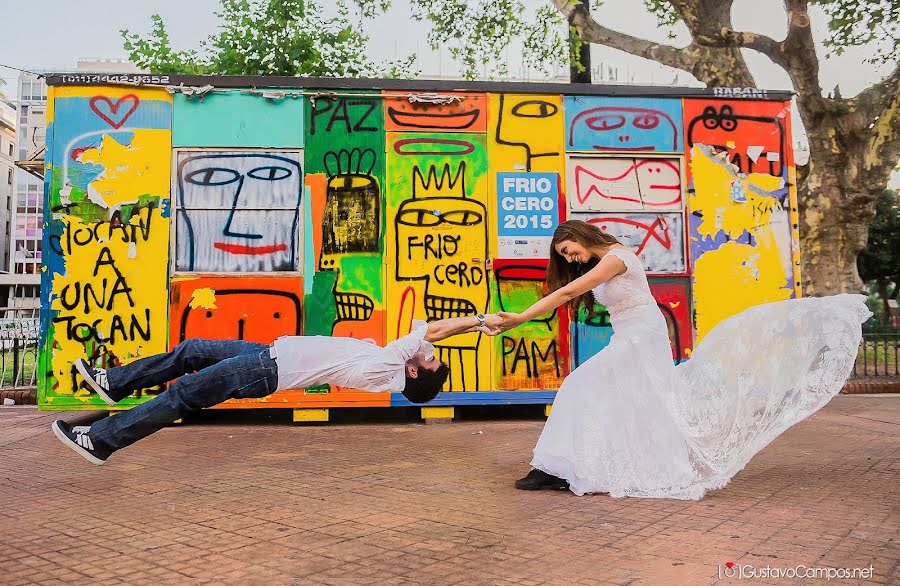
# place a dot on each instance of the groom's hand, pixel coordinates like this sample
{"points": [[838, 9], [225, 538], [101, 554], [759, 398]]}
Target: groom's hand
{"points": [[493, 321], [493, 325]]}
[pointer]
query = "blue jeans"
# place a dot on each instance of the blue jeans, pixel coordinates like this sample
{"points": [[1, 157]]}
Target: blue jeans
{"points": [[225, 369]]}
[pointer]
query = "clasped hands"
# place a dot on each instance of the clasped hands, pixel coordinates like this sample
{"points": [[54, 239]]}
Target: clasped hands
{"points": [[496, 323]]}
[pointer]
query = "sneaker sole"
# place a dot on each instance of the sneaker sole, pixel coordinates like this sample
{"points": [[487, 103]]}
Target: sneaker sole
{"points": [[79, 366], [61, 436]]}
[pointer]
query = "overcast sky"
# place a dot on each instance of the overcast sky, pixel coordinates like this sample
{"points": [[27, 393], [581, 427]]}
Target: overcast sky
{"points": [[53, 34]]}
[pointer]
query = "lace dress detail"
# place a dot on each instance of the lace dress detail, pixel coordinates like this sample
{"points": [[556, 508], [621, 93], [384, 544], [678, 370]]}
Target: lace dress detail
{"points": [[628, 422]]}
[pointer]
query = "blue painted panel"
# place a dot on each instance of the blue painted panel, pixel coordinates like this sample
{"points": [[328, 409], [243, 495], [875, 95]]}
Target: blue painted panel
{"points": [[237, 120], [589, 337], [481, 398], [624, 124]]}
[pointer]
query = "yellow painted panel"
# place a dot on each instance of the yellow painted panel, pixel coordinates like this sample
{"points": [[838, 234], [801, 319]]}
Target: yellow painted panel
{"points": [[437, 412], [527, 133], [742, 272], [307, 415], [112, 293], [130, 171], [436, 244]]}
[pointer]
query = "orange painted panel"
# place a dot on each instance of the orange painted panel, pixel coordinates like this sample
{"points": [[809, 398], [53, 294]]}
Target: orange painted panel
{"points": [[468, 114], [258, 309]]}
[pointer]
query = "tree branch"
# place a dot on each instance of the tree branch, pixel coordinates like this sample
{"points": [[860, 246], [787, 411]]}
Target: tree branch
{"points": [[726, 37], [712, 67], [799, 51], [592, 32]]}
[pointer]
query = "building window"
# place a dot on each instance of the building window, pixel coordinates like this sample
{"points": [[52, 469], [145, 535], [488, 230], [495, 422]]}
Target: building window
{"points": [[10, 149], [9, 176]]}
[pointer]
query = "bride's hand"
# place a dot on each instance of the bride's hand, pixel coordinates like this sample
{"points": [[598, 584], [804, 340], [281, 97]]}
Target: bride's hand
{"points": [[510, 320]]}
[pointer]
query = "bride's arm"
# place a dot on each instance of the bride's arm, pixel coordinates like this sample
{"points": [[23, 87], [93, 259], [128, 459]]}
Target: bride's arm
{"points": [[606, 269]]}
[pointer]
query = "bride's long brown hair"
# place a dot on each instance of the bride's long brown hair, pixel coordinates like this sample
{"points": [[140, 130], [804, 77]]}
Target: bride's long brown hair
{"points": [[560, 272]]}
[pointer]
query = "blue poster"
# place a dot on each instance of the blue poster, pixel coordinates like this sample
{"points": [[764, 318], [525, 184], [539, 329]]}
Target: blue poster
{"points": [[528, 210]]}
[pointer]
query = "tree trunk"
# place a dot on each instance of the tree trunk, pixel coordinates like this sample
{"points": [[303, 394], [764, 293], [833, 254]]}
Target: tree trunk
{"points": [[580, 70], [834, 227], [883, 293], [837, 192]]}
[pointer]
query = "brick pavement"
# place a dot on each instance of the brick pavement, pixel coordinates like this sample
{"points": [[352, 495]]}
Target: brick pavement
{"points": [[227, 502]]}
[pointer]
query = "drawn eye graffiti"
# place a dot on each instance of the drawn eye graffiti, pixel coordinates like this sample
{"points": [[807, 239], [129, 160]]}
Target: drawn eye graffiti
{"points": [[646, 121], [212, 176], [269, 173], [605, 122], [534, 109]]}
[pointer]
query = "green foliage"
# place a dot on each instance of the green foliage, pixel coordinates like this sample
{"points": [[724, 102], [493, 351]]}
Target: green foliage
{"points": [[666, 15], [273, 37], [477, 33], [881, 258], [853, 23], [879, 263]]}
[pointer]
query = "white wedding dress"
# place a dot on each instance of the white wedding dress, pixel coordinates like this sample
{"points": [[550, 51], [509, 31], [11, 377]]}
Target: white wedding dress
{"points": [[628, 422]]}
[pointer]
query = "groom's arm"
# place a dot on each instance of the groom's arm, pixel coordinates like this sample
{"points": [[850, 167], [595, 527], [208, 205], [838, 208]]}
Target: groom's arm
{"points": [[453, 326]]}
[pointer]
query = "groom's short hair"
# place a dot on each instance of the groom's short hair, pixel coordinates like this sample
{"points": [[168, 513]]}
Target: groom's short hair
{"points": [[426, 385]]}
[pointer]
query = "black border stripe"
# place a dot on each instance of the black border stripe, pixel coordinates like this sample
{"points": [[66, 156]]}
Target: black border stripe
{"points": [[443, 85]]}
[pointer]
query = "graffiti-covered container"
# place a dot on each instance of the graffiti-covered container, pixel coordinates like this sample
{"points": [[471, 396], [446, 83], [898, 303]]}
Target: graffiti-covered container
{"points": [[251, 208]]}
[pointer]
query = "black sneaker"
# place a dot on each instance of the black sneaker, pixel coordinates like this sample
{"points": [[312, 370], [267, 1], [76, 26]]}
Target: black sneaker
{"points": [[539, 480], [79, 439], [96, 379]]}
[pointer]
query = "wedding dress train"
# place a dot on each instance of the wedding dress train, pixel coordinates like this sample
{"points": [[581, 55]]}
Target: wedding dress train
{"points": [[628, 422]]}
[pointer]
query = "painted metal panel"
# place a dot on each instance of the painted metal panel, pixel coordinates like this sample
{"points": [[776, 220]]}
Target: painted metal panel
{"points": [[106, 239], [611, 184], [238, 211], [237, 120], [744, 244], [657, 239], [621, 124]]}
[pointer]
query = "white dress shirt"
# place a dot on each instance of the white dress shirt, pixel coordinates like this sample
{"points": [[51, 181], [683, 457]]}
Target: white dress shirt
{"points": [[308, 361]]}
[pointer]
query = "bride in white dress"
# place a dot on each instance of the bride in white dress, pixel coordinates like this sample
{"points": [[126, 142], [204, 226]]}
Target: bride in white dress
{"points": [[628, 422]]}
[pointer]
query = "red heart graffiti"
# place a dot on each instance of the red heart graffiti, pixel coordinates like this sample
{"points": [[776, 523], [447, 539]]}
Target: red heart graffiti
{"points": [[730, 565], [115, 119]]}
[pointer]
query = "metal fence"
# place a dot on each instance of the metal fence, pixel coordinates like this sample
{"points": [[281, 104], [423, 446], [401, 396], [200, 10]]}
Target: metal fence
{"points": [[878, 357], [18, 348]]}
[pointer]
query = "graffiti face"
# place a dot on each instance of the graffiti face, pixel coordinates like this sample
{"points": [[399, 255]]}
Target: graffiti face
{"points": [[352, 219], [464, 113], [435, 236], [623, 124], [225, 308], [754, 141], [532, 124], [629, 129], [608, 184], [351, 225], [238, 212]]}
